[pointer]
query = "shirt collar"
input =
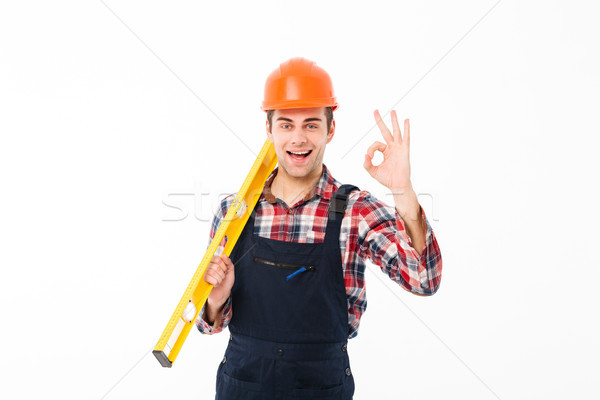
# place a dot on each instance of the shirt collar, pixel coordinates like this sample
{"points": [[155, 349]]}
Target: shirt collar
{"points": [[324, 188]]}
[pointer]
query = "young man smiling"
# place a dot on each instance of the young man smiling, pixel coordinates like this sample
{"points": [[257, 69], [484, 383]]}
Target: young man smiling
{"points": [[299, 136], [293, 291]]}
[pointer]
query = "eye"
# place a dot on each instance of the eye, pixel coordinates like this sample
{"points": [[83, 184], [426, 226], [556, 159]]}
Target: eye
{"points": [[312, 126], [285, 126]]}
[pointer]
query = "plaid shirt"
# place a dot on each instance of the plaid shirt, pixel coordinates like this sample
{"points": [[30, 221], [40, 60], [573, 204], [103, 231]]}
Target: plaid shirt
{"points": [[370, 230]]}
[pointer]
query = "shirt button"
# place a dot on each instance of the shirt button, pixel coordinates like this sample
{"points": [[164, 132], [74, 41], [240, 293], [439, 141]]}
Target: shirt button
{"points": [[348, 372], [224, 359], [280, 352], [344, 347], [290, 211]]}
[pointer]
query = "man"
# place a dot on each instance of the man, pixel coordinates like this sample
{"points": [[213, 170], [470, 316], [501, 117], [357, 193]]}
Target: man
{"points": [[293, 291]]}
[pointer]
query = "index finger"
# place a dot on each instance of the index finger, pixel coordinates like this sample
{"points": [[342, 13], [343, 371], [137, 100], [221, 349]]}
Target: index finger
{"points": [[219, 262], [387, 136], [226, 259]]}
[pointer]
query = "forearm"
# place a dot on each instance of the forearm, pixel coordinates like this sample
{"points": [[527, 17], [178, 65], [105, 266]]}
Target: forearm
{"points": [[213, 311], [409, 209], [382, 236], [221, 315]]}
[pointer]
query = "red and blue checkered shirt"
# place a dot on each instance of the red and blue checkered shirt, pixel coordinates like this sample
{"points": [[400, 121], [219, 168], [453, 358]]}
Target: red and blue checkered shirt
{"points": [[370, 230]]}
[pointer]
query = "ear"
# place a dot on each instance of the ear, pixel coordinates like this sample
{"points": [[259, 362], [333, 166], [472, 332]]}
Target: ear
{"points": [[269, 134], [331, 131]]}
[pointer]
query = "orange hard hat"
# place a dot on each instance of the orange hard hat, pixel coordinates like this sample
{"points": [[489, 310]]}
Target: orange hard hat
{"points": [[298, 83]]}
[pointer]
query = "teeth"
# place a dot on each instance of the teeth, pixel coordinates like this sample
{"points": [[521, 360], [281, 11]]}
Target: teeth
{"points": [[299, 153]]}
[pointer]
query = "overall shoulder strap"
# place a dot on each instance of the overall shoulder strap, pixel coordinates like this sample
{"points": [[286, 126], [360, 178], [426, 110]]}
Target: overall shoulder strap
{"points": [[337, 208], [339, 200]]}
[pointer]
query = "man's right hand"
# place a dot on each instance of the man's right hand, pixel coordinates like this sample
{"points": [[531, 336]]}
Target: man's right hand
{"points": [[220, 273]]}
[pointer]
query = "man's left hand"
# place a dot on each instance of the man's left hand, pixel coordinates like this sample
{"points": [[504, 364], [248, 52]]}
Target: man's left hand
{"points": [[394, 170]]}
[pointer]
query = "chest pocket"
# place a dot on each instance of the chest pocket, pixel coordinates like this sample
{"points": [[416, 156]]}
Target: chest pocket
{"points": [[315, 237]]}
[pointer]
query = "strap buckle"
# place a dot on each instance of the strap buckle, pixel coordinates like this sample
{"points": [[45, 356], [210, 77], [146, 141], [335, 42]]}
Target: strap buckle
{"points": [[338, 204]]}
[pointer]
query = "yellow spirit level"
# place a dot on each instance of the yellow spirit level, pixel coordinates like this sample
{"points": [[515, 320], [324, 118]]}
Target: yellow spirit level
{"points": [[194, 297]]}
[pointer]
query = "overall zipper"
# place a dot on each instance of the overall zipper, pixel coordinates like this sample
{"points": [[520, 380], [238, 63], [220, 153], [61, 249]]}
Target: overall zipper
{"points": [[298, 268]]}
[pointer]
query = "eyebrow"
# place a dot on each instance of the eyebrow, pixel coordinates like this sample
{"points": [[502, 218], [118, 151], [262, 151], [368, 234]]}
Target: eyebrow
{"points": [[306, 120]]}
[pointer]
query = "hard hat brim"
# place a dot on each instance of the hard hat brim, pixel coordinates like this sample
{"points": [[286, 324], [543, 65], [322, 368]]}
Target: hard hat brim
{"points": [[283, 105]]}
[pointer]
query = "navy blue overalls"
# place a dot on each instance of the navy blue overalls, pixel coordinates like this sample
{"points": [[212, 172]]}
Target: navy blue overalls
{"points": [[289, 328]]}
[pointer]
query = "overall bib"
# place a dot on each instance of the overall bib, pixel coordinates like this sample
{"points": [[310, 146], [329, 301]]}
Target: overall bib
{"points": [[289, 328]]}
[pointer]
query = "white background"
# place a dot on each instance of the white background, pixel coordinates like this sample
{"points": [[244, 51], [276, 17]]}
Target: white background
{"points": [[105, 116]]}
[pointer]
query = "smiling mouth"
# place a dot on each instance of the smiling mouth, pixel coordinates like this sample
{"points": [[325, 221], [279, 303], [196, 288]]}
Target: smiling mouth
{"points": [[299, 155]]}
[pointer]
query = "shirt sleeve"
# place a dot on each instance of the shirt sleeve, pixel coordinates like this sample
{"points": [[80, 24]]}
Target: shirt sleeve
{"points": [[223, 318], [383, 239]]}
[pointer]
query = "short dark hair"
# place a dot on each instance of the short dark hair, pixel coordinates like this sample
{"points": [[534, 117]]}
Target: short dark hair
{"points": [[328, 117]]}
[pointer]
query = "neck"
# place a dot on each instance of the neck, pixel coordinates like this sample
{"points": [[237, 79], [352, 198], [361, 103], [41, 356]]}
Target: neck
{"points": [[292, 189]]}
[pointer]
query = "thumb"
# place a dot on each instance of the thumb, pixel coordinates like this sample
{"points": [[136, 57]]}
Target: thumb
{"points": [[227, 262], [230, 267]]}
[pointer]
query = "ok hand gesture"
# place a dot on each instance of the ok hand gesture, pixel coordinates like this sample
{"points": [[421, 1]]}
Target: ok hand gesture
{"points": [[394, 170]]}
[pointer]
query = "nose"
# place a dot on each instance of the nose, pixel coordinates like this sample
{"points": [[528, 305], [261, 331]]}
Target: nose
{"points": [[298, 136]]}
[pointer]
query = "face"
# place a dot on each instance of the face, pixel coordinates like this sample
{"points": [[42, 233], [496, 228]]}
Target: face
{"points": [[300, 136]]}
